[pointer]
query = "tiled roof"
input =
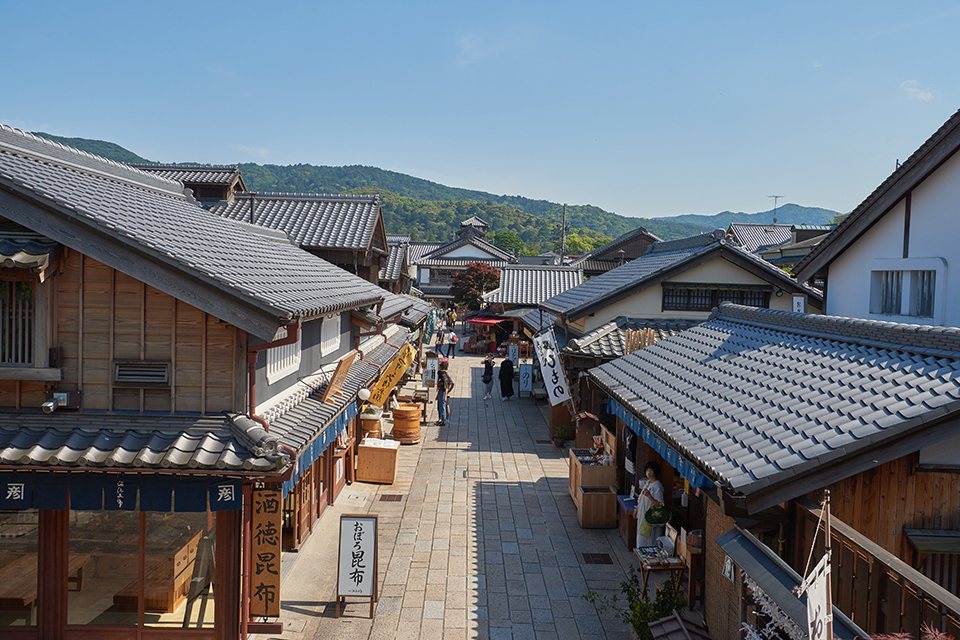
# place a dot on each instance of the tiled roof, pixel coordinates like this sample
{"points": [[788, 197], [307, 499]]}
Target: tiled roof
{"points": [[531, 285], [756, 237], [301, 424], [623, 238], [394, 266], [193, 173], [546, 260], [758, 399], [673, 627], [596, 266], [609, 341], [479, 243], [474, 221], [455, 263], [88, 440], [397, 239], [659, 259], [436, 290], [311, 221], [150, 215], [420, 249], [417, 312], [24, 249], [661, 256], [904, 178]]}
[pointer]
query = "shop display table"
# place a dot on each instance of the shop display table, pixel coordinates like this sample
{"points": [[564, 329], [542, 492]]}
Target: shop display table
{"points": [[168, 582], [628, 524], [377, 461], [652, 559], [585, 470], [18, 580]]}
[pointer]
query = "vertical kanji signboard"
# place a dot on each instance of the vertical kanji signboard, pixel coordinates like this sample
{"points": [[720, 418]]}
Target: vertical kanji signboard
{"points": [[357, 564], [265, 559]]}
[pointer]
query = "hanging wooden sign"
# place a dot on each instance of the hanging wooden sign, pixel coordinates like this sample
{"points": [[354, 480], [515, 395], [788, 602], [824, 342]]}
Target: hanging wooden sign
{"points": [[391, 375], [339, 377], [357, 559], [265, 553]]}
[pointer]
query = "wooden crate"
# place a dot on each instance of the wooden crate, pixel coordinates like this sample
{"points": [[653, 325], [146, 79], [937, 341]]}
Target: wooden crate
{"points": [[378, 463], [168, 582], [591, 476], [598, 507]]}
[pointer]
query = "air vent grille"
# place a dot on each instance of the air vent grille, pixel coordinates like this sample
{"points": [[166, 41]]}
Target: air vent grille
{"points": [[142, 374]]}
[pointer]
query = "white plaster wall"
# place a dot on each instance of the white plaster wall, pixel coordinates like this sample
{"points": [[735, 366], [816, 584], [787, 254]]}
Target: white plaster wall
{"points": [[934, 211], [648, 303], [469, 251]]}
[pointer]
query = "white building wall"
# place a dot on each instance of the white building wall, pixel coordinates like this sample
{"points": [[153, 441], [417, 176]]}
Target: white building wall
{"points": [[648, 303], [934, 211], [469, 251]]}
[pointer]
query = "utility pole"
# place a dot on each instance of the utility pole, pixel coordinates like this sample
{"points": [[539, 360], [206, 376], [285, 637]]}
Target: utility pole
{"points": [[775, 198], [563, 233]]}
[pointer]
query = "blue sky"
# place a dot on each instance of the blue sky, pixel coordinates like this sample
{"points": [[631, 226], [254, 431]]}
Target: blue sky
{"points": [[642, 108]]}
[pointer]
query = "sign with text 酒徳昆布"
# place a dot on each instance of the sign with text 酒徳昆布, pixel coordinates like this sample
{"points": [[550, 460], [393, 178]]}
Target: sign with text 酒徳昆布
{"points": [[265, 553], [554, 380]]}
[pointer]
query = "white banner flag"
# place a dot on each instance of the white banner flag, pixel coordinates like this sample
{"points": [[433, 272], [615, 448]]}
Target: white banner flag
{"points": [[551, 367], [819, 611]]}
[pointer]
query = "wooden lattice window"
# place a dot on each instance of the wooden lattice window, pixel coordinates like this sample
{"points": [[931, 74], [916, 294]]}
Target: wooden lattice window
{"points": [[16, 322]]}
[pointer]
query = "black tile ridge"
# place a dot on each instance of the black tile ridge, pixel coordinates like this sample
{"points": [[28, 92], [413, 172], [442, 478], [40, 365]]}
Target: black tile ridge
{"points": [[176, 188], [543, 267], [937, 342], [182, 167], [283, 195], [702, 240]]}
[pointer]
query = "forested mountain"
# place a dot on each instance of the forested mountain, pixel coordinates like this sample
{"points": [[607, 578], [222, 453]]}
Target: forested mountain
{"points": [[429, 211]]}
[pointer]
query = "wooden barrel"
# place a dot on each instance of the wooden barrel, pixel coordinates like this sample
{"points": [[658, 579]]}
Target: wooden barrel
{"points": [[406, 423], [370, 428]]}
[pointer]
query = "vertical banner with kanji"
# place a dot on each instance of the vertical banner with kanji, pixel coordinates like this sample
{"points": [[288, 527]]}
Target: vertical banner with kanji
{"points": [[819, 611], [357, 560], [265, 559], [551, 367]]}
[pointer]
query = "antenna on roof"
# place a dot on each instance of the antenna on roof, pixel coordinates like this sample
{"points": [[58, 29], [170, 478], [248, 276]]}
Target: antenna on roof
{"points": [[775, 198]]}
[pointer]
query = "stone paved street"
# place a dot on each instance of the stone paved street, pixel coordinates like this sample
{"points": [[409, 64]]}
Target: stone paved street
{"points": [[484, 543]]}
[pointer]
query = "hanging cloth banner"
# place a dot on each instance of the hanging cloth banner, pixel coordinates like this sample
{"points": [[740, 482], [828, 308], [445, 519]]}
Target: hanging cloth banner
{"points": [[551, 367], [392, 374], [819, 611]]}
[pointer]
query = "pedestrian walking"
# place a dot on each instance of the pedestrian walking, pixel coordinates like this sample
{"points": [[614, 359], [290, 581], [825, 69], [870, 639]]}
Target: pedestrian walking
{"points": [[439, 347], [452, 345], [488, 376], [444, 387], [506, 379]]}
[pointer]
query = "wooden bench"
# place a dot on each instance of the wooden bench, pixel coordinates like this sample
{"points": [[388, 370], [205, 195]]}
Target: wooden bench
{"points": [[18, 580]]}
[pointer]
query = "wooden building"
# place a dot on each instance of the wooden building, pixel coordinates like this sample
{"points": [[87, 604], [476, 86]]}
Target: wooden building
{"points": [[342, 229], [142, 342]]}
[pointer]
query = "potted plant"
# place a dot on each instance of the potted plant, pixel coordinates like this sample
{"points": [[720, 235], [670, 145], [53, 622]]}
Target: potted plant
{"points": [[560, 435]]}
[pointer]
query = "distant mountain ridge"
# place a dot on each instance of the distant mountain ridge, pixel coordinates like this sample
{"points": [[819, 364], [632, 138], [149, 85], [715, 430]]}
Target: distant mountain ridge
{"points": [[430, 211]]}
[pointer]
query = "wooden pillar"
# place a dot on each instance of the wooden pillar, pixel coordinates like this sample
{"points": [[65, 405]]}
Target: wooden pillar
{"points": [[52, 571], [227, 574]]}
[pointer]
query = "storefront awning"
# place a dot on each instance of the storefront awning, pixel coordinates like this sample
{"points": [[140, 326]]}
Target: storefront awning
{"points": [[777, 579], [673, 458], [934, 540], [486, 320], [119, 491]]}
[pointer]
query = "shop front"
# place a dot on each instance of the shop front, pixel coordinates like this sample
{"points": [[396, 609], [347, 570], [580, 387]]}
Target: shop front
{"points": [[120, 555]]}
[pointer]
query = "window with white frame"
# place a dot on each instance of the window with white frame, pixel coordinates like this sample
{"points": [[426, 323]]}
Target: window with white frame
{"points": [[282, 361], [910, 293], [330, 335]]}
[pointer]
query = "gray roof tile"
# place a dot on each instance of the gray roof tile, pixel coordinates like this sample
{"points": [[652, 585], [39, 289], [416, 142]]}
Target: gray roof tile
{"points": [[799, 392], [310, 221], [529, 285], [151, 215]]}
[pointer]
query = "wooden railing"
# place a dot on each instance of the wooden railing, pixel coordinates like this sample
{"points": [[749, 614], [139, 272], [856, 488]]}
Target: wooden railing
{"points": [[877, 590]]}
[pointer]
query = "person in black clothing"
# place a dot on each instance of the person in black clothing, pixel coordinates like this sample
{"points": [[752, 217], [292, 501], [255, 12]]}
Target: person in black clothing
{"points": [[506, 379], [444, 386], [488, 376]]}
